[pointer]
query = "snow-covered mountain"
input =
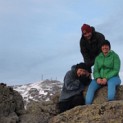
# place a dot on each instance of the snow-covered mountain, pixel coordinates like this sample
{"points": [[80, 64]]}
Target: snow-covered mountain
{"points": [[39, 91]]}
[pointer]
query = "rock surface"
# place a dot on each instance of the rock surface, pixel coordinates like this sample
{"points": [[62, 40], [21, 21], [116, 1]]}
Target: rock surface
{"points": [[101, 111], [108, 112], [11, 104]]}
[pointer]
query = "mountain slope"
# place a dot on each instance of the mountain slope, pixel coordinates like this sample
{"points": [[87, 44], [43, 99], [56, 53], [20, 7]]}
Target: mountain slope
{"points": [[39, 91]]}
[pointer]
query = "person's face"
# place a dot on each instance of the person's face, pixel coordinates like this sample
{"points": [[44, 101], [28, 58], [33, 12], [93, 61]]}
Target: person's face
{"points": [[87, 35], [81, 72], [105, 49]]}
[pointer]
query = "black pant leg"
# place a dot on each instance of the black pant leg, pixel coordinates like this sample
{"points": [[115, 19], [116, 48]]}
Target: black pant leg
{"points": [[64, 106], [77, 100]]}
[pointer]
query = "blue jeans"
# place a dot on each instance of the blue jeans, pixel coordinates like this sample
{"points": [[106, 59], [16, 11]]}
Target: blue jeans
{"points": [[112, 84]]}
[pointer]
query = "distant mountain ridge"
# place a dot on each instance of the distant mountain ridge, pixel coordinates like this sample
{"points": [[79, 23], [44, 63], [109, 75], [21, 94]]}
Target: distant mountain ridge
{"points": [[39, 91]]}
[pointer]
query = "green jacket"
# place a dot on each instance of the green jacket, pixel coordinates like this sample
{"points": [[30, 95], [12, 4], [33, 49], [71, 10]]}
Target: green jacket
{"points": [[106, 66]]}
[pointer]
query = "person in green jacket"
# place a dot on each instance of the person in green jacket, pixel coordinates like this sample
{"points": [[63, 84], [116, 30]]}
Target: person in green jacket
{"points": [[106, 73]]}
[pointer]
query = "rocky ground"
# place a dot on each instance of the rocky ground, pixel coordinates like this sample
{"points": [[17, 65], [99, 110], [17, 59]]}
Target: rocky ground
{"points": [[12, 109]]}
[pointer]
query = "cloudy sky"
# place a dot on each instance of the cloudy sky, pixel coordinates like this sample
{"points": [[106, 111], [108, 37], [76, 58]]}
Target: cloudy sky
{"points": [[39, 39]]}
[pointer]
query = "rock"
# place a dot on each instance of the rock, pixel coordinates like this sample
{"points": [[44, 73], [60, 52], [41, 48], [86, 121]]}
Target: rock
{"points": [[40, 112], [101, 94], [11, 103], [101, 111], [108, 112]]}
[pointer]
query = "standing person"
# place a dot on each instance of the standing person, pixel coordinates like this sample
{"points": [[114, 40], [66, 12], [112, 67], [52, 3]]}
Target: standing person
{"points": [[90, 43], [106, 73], [72, 91]]}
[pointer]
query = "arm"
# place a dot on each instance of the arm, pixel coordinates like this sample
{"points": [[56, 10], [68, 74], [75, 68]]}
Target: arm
{"points": [[85, 80], [101, 39], [97, 76], [85, 53], [116, 67], [96, 73], [70, 82]]}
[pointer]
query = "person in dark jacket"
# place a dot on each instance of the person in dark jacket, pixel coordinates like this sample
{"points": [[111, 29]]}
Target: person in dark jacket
{"points": [[90, 44], [74, 82]]}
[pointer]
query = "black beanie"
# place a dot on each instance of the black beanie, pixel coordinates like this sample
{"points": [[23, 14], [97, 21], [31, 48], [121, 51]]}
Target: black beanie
{"points": [[82, 66], [106, 42]]}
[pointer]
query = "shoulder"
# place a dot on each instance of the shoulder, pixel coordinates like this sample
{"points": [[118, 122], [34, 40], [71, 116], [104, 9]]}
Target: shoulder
{"points": [[114, 53], [70, 73], [96, 33], [99, 35], [99, 56]]}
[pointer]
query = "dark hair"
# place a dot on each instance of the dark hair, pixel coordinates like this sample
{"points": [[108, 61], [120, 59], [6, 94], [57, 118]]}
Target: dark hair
{"points": [[106, 42], [81, 65]]}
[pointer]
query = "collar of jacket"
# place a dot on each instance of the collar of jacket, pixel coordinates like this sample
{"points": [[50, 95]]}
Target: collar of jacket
{"points": [[109, 53]]}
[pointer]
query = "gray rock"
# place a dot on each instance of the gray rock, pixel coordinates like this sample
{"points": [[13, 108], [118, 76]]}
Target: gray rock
{"points": [[107, 112], [101, 111], [11, 103]]}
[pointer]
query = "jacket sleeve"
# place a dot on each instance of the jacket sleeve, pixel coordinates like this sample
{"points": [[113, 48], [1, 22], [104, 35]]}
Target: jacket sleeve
{"points": [[101, 39], [116, 68], [85, 53], [96, 72], [85, 80], [70, 83]]}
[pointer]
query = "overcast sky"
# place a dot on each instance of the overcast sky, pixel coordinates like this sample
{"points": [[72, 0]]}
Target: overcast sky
{"points": [[39, 39]]}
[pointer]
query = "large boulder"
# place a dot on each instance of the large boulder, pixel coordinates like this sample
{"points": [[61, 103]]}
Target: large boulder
{"points": [[101, 111], [101, 94], [107, 112], [44, 112], [11, 104], [40, 112]]}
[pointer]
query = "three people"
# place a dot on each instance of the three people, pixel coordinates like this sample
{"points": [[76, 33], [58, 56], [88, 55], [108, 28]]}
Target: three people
{"points": [[106, 73], [90, 44], [96, 51], [74, 82]]}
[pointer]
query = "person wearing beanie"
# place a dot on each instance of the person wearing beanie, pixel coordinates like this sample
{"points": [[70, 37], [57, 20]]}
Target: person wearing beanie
{"points": [[106, 73], [72, 91], [90, 44]]}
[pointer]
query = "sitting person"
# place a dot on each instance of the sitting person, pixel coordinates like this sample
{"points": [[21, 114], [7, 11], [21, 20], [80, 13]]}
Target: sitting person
{"points": [[106, 73], [72, 91]]}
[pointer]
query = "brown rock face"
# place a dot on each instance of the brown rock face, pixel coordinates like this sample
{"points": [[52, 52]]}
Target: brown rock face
{"points": [[101, 111], [11, 104], [108, 112]]}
